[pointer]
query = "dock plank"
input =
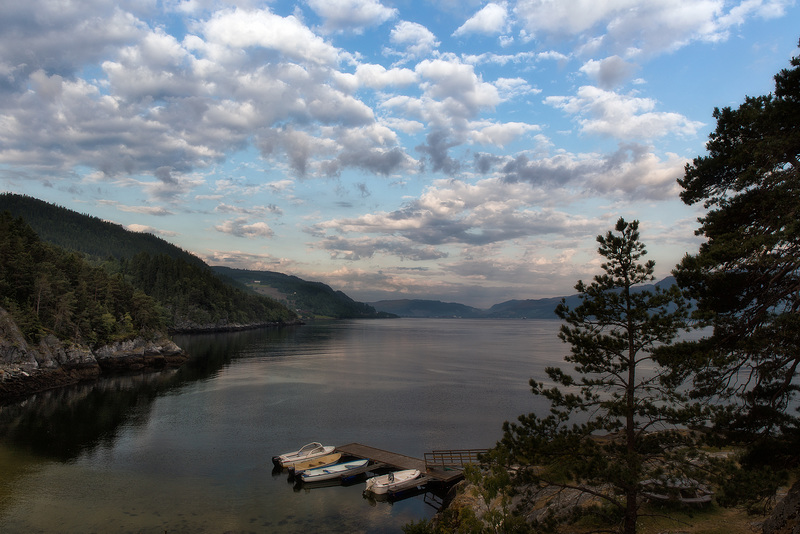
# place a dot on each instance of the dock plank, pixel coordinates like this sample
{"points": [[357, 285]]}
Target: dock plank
{"points": [[399, 461]]}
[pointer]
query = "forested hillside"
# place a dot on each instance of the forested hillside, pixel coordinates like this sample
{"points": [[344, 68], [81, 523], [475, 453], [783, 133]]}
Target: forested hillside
{"points": [[195, 296], [308, 298], [87, 234], [48, 290], [186, 293]]}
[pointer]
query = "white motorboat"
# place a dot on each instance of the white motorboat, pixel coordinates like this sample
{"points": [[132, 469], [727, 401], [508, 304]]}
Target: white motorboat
{"points": [[392, 482], [340, 470], [306, 452]]}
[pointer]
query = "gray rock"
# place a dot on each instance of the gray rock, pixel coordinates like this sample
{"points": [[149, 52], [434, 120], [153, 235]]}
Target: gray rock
{"points": [[53, 363], [785, 518]]}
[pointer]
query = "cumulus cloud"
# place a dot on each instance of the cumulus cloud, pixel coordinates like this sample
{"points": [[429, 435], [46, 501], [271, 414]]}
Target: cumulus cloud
{"points": [[353, 15], [456, 86], [631, 172], [34, 36], [500, 134], [378, 77], [609, 72], [373, 148], [366, 247], [241, 227], [242, 259], [652, 27], [227, 32], [146, 229], [608, 113], [490, 20], [415, 39], [451, 212]]}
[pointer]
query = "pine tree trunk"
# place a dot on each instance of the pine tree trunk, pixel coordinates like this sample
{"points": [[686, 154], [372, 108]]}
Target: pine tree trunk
{"points": [[631, 512], [632, 493]]}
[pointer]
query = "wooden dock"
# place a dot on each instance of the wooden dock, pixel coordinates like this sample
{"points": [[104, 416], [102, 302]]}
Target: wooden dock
{"points": [[401, 461]]}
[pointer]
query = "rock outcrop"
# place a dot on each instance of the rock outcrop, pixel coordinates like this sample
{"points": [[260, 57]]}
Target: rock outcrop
{"points": [[26, 369], [785, 518]]}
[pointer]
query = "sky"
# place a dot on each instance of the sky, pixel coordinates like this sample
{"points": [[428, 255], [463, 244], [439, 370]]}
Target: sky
{"points": [[454, 150]]}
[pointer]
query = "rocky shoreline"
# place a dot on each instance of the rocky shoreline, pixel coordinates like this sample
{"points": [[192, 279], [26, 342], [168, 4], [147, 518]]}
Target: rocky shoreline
{"points": [[26, 369]]}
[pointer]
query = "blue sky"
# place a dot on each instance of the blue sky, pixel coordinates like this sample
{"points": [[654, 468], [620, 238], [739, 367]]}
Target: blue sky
{"points": [[454, 150]]}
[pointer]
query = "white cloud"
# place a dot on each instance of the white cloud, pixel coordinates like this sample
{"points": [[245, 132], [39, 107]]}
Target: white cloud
{"points": [[240, 227], [632, 172], [145, 229], [417, 40], [456, 86], [351, 15], [492, 19], [609, 72], [378, 77], [509, 88], [500, 134], [454, 212], [242, 259], [227, 32], [256, 211], [61, 37], [622, 116], [156, 211], [654, 26]]}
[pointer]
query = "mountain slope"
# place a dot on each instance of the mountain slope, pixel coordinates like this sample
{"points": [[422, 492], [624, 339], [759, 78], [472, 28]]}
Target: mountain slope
{"points": [[426, 308], [308, 298], [194, 297], [87, 234]]}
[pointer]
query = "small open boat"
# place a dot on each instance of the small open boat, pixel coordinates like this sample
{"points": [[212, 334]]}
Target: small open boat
{"points": [[306, 452], [677, 489], [391, 482], [340, 470], [319, 461]]}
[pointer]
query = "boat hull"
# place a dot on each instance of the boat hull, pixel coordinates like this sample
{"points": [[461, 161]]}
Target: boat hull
{"points": [[330, 472], [392, 482], [305, 453], [314, 463]]}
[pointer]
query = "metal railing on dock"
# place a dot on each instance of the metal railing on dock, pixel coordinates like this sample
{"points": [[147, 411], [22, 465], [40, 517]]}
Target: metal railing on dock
{"points": [[452, 459]]}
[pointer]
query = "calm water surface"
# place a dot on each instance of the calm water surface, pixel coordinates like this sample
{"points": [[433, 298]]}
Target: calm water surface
{"points": [[190, 450]]}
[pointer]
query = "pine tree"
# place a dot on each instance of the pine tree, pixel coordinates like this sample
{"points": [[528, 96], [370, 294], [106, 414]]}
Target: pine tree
{"points": [[616, 427], [746, 276]]}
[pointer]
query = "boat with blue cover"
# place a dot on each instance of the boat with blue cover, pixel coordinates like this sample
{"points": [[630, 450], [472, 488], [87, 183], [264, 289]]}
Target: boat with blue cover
{"points": [[341, 470]]}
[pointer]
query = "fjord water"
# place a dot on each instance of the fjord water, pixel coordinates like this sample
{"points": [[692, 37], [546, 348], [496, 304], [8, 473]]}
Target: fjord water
{"points": [[190, 450]]}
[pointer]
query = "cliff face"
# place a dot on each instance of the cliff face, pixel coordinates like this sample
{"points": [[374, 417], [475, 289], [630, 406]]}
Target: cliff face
{"points": [[26, 369]]}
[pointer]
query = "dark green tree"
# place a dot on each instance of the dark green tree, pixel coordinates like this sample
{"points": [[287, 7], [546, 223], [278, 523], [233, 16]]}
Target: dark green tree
{"points": [[615, 427], [746, 275]]}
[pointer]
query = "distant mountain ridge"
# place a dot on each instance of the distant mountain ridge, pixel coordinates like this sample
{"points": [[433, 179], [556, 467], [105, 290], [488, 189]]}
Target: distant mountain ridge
{"points": [[543, 308], [426, 308]]}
